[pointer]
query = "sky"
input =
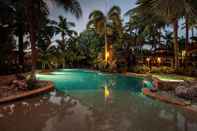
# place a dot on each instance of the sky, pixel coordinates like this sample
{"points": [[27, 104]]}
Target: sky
{"points": [[87, 7]]}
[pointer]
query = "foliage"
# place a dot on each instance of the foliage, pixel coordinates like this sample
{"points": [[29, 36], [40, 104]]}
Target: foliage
{"points": [[162, 69], [140, 69], [189, 71], [55, 44]]}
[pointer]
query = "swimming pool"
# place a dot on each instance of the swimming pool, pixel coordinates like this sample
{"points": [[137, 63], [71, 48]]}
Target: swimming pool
{"points": [[124, 102], [94, 101]]}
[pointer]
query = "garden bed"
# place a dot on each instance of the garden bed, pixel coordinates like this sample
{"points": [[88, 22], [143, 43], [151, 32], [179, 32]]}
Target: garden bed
{"points": [[11, 95]]}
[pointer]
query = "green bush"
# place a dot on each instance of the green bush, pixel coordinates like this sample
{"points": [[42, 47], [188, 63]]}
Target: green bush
{"points": [[140, 69], [189, 71], [32, 83], [162, 69]]}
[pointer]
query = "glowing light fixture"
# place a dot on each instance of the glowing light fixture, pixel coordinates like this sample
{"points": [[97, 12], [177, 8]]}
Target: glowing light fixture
{"points": [[159, 60], [148, 59], [183, 54]]}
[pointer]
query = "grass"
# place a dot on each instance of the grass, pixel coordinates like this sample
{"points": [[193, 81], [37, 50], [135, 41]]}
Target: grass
{"points": [[173, 77]]}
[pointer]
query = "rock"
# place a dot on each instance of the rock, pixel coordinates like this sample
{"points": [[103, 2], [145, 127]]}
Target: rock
{"points": [[153, 89], [184, 92], [168, 86]]}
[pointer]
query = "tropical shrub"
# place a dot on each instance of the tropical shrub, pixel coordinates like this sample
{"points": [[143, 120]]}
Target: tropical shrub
{"points": [[140, 69], [162, 69]]}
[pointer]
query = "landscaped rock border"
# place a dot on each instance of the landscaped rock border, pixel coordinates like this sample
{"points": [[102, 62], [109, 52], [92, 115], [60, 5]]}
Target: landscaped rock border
{"points": [[180, 103], [49, 86], [166, 86]]}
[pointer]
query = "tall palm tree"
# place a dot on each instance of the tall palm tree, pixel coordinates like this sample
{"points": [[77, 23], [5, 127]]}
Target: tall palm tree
{"points": [[20, 29], [114, 15], [107, 26], [167, 11], [36, 7], [64, 28], [171, 11], [190, 13], [144, 24], [97, 21], [44, 42]]}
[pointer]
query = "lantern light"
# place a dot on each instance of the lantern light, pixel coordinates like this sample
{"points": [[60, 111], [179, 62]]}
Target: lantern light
{"points": [[159, 60], [148, 59]]}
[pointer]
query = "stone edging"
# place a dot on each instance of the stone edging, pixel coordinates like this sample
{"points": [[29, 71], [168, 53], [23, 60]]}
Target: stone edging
{"points": [[183, 104], [47, 88]]}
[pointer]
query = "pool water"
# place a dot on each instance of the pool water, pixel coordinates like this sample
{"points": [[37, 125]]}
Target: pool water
{"points": [[92, 101]]}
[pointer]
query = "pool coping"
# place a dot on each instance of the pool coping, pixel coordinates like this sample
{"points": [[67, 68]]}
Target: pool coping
{"points": [[167, 99], [47, 88]]}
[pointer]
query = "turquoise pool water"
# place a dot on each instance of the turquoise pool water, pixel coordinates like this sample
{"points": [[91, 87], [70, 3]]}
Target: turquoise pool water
{"points": [[94, 101], [70, 79], [119, 101]]}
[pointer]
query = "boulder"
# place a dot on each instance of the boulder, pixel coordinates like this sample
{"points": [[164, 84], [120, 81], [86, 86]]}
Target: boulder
{"points": [[186, 92], [168, 86]]}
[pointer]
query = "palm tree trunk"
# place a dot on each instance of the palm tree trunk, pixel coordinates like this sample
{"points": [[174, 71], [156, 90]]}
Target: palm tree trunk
{"points": [[32, 32], [176, 46], [192, 31], [33, 48], [186, 32], [63, 38], [63, 64], [21, 47], [159, 36]]}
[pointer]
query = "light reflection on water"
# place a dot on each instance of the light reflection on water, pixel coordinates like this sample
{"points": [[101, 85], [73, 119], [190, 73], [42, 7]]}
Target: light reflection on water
{"points": [[90, 109]]}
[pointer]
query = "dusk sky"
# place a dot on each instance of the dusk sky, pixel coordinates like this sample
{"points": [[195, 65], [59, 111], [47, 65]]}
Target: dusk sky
{"points": [[87, 7]]}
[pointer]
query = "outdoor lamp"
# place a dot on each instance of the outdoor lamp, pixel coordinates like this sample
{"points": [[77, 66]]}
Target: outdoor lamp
{"points": [[159, 60], [147, 59]]}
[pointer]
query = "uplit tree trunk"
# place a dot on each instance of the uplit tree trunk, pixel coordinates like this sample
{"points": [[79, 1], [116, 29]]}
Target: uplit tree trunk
{"points": [[176, 45], [186, 32]]}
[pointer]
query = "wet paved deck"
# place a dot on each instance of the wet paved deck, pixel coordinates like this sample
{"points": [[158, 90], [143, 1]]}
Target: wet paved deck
{"points": [[57, 112]]}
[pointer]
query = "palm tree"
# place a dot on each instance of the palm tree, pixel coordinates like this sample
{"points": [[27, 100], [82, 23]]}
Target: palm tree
{"points": [[114, 15], [170, 11], [35, 8], [97, 21], [190, 12], [144, 23], [6, 32], [63, 27], [44, 42], [168, 37], [20, 29], [109, 26]]}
